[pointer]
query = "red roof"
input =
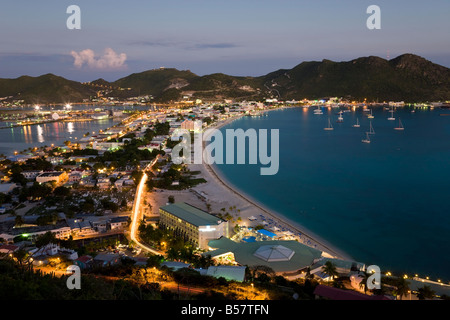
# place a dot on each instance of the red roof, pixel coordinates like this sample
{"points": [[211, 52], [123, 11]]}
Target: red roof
{"points": [[84, 259], [339, 294], [9, 247]]}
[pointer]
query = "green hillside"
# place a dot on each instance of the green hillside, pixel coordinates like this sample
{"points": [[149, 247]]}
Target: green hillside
{"points": [[408, 77]]}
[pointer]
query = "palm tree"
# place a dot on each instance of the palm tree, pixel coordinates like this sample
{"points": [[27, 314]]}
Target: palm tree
{"points": [[363, 283], [402, 287], [425, 293], [308, 275], [330, 269]]}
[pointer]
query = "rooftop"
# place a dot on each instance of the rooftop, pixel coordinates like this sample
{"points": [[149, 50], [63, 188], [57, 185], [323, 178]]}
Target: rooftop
{"points": [[191, 214], [51, 174], [281, 256]]}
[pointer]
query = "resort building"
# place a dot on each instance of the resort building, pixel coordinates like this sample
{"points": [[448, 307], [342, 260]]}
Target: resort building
{"points": [[193, 224], [286, 258]]}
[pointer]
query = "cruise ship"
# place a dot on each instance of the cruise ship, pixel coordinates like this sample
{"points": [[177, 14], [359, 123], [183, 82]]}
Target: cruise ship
{"points": [[100, 115]]}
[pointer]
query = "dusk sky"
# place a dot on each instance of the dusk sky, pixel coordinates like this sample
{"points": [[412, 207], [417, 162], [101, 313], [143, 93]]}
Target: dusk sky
{"points": [[234, 37]]}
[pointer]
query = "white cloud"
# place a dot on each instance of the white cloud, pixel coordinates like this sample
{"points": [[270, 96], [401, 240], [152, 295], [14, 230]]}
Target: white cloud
{"points": [[109, 60]]}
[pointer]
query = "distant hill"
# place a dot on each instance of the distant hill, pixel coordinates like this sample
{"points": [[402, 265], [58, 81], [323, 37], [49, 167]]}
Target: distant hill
{"points": [[45, 89], [408, 77]]}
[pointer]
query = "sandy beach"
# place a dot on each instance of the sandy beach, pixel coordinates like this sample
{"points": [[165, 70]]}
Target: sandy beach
{"points": [[218, 193]]}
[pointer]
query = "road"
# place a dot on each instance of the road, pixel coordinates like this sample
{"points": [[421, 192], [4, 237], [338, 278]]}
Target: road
{"points": [[136, 216]]}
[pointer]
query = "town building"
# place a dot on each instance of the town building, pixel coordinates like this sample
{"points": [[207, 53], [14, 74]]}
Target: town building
{"points": [[118, 222], [193, 224], [32, 174], [59, 177]]}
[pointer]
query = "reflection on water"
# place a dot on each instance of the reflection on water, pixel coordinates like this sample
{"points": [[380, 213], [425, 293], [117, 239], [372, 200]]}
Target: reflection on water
{"points": [[70, 128], [21, 138], [40, 134]]}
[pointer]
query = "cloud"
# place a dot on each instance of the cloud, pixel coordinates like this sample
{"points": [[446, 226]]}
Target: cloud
{"points": [[214, 46], [183, 44], [109, 60]]}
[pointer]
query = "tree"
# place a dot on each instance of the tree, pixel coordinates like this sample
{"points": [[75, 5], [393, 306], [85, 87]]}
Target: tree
{"points": [[171, 199], [22, 257], [61, 191], [19, 221], [330, 269], [154, 261], [17, 177], [425, 293], [46, 238], [402, 286], [256, 271]]}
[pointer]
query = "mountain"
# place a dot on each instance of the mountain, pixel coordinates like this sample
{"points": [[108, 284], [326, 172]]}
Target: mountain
{"points": [[47, 88], [408, 77]]}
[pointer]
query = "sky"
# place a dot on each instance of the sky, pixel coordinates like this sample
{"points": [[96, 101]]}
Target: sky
{"points": [[240, 38]]}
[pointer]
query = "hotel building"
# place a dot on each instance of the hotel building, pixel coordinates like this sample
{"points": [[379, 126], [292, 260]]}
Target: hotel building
{"points": [[193, 224]]}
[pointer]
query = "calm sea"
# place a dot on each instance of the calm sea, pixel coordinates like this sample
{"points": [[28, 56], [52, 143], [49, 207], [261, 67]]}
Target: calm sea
{"points": [[21, 138], [384, 203]]}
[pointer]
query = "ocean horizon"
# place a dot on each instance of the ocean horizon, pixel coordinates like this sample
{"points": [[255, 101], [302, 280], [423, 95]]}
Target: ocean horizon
{"points": [[383, 203]]}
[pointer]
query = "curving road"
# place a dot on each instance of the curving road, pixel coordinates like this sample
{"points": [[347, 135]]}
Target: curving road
{"points": [[135, 213]]}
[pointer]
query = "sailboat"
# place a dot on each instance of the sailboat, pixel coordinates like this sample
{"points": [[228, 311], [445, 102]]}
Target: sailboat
{"points": [[400, 125], [367, 139], [330, 127], [357, 124], [318, 110], [391, 118], [370, 116], [371, 131], [340, 118]]}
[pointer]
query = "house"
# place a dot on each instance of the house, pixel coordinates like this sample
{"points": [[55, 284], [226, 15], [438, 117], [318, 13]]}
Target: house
{"points": [[31, 175], [80, 227], [103, 183], [50, 249], [106, 259], [84, 262], [118, 223], [58, 176], [188, 125], [75, 177], [99, 226], [8, 248]]}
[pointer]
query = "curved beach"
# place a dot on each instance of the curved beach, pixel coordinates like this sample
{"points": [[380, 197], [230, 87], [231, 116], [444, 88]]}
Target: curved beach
{"points": [[220, 193]]}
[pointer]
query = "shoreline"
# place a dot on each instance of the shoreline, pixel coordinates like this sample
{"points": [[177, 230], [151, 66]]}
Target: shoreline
{"points": [[250, 204]]}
